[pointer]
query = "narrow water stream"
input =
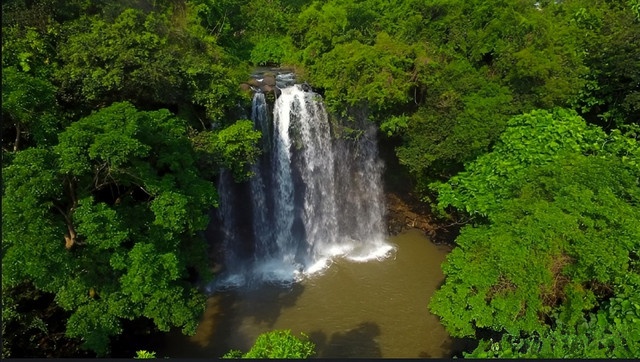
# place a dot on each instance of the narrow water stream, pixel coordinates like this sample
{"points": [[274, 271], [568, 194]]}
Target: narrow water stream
{"points": [[372, 309]]}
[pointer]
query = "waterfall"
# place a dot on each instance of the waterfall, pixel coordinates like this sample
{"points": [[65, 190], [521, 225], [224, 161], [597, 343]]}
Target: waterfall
{"points": [[229, 230], [313, 197], [259, 183]]}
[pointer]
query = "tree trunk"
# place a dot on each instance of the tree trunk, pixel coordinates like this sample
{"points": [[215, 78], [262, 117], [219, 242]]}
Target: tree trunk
{"points": [[71, 235], [16, 144]]}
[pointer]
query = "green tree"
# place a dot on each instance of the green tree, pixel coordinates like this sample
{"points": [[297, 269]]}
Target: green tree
{"points": [[109, 221], [277, 344], [365, 76], [611, 332], [555, 226], [235, 148], [453, 71], [29, 50], [143, 354], [611, 96], [462, 116], [32, 325], [155, 59], [223, 20], [28, 109]]}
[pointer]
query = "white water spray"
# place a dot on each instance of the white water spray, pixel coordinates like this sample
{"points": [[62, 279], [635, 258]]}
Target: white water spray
{"points": [[313, 197]]}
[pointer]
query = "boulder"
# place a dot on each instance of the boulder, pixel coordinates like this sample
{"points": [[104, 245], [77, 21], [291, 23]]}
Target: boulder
{"points": [[269, 80], [254, 82]]}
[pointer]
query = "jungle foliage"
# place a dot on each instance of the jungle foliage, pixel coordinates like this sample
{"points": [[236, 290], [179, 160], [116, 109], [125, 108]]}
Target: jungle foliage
{"points": [[552, 250], [277, 344], [456, 71], [114, 116], [521, 122], [518, 120]]}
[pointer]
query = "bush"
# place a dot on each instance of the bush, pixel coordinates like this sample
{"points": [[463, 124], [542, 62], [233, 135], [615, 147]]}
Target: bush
{"points": [[277, 344]]}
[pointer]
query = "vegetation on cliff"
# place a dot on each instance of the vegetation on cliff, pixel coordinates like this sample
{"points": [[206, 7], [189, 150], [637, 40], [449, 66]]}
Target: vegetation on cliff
{"points": [[514, 118]]}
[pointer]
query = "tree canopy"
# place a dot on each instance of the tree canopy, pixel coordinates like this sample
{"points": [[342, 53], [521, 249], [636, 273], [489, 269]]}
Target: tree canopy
{"points": [[517, 118], [277, 344], [555, 233], [118, 118], [108, 221]]}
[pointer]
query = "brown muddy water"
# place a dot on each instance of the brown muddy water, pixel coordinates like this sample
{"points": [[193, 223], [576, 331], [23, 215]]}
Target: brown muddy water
{"points": [[372, 309]]}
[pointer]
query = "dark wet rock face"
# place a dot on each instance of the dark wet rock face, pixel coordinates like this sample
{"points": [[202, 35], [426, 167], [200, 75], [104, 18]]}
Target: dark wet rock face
{"points": [[405, 214], [306, 87]]}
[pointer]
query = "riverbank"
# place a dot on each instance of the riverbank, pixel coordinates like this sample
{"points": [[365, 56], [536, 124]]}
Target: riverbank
{"points": [[405, 211]]}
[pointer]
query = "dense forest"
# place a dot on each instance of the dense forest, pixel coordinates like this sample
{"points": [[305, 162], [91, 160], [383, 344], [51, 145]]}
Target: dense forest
{"points": [[517, 122]]}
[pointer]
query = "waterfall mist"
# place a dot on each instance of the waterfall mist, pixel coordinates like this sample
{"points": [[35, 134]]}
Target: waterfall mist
{"points": [[313, 197]]}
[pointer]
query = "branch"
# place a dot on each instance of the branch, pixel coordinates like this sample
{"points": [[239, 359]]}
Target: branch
{"points": [[72, 193], [70, 236], [458, 222], [140, 185], [204, 127], [97, 183], [16, 144]]}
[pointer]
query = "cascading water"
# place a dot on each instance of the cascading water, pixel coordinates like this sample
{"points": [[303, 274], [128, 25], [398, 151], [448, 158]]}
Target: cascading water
{"points": [[312, 197], [259, 183]]}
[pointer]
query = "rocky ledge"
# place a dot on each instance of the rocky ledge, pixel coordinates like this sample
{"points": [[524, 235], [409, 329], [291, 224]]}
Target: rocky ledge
{"points": [[404, 213], [269, 80], [407, 212]]}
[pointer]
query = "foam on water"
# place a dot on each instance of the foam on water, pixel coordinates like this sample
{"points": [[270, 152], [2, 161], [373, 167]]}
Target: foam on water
{"points": [[381, 252], [275, 272], [318, 267]]}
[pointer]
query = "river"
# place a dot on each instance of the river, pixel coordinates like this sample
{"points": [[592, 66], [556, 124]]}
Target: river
{"points": [[372, 309]]}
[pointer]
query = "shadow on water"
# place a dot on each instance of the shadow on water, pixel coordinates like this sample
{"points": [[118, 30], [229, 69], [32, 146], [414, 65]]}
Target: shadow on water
{"points": [[233, 320], [358, 342], [265, 304], [459, 345], [455, 346]]}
